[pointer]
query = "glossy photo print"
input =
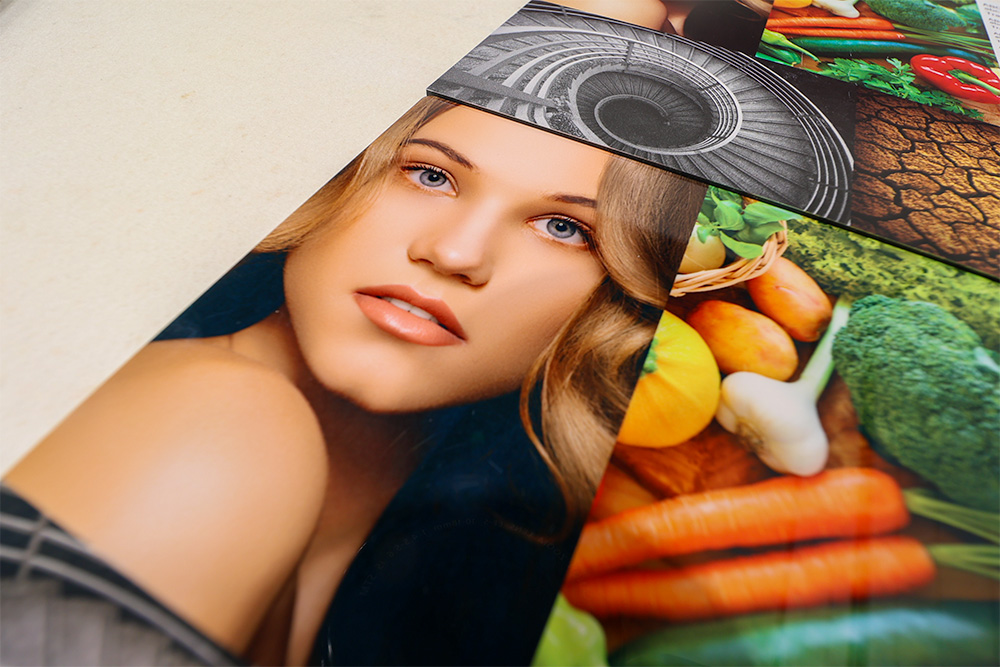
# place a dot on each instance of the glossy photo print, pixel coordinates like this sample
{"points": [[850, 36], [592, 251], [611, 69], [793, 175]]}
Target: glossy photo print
{"points": [[928, 179], [808, 472], [375, 440], [689, 106], [934, 53]]}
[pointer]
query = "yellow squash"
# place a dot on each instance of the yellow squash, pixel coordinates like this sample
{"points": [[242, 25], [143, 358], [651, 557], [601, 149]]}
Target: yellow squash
{"points": [[678, 393]]}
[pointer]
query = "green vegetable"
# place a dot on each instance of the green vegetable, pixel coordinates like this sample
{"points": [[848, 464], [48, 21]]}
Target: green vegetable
{"points": [[838, 46], [846, 263], [962, 41], [973, 18], [743, 230], [943, 633], [927, 392], [970, 13], [572, 638], [776, 39], [779, 55], [918, 13], [898, 81]]}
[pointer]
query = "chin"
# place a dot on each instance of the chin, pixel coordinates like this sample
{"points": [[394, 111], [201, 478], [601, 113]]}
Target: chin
{"points": [[379, 404], [382, 382], [414, 396], [377, 394]]}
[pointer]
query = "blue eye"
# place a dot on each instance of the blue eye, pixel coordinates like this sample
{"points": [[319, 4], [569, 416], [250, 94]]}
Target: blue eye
{"points": [[563, 230], [429, 177]]}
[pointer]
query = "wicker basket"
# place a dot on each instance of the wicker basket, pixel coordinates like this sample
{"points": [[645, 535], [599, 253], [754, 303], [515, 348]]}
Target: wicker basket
{"points": [[735, 273]]}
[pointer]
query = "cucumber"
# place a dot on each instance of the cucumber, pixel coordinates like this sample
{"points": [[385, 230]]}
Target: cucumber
{"points": [[934, 633]]}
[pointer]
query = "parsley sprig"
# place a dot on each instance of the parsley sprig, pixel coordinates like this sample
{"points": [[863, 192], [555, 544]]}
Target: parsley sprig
{"points": [[896, 80]]}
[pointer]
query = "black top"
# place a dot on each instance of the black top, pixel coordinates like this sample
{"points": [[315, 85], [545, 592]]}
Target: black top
{"points": [[458, 570]]}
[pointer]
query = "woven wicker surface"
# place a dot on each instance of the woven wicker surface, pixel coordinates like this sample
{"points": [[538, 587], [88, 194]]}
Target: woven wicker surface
{"points": [[735, 273]]}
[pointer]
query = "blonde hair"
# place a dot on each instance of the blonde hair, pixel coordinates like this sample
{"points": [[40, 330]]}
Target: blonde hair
{"points": [[585, 376]]}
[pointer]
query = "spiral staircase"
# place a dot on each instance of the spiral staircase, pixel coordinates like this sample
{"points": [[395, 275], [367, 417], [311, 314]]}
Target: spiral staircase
{"points": [[690, 107]]}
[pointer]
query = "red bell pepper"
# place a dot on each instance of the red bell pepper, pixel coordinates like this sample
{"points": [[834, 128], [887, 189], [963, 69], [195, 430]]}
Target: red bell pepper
{"points": [[959, 77]]}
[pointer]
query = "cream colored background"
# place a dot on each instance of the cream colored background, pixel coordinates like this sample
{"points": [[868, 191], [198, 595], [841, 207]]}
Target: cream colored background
{"points": [[146, 146]]}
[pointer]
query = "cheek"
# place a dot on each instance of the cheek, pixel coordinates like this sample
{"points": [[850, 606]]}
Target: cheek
{"points": [[533, 313]]}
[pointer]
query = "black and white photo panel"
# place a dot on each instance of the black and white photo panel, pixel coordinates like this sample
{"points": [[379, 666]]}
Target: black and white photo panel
{"points": [[693, 108]]}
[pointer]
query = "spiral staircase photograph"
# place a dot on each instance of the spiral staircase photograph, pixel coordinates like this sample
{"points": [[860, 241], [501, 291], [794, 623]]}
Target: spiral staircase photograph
{"points": [[690, 107]]}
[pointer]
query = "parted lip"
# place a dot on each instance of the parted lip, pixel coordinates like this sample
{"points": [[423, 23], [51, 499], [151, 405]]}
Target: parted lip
{"points": [[436, 307]]}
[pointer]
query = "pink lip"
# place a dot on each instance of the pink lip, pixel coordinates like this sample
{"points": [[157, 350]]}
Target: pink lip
{"points": [[405, 325]]}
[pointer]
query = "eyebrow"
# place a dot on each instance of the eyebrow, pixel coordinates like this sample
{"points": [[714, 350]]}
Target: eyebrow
{"points": [[447, 150], [574, 199], [467, 163]]}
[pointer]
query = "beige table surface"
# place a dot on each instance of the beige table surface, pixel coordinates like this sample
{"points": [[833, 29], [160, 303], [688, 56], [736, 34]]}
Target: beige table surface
{"points": [[146, 146]]}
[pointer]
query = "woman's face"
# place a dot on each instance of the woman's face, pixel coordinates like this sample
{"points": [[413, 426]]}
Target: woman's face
{"points": [[448, 287]]}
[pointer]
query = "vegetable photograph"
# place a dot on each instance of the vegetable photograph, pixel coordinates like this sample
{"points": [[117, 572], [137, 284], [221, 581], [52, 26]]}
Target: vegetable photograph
{"points": [[841, 505], [935, 52], [926, 111]]}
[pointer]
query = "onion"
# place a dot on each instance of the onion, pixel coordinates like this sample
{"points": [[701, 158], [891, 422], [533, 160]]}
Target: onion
{"points": [[702, 256]]}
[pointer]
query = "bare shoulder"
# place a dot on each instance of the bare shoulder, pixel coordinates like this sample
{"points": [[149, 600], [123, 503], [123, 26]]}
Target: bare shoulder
{"points": [[197, 471], [187, 401]]}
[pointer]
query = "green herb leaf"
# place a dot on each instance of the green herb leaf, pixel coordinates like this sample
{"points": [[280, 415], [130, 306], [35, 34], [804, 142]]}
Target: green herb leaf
{"points": [[757, 235], [899, 80], [721, 194], [758, 213], [761, 233], [729, 215], [707, 207], [745, 250]]}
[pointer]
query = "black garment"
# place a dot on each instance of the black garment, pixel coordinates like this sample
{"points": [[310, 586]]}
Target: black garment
{"points": [[462, 567], [63, 605]]}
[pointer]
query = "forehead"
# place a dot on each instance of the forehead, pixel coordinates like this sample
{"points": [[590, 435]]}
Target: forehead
{"points": [[504, 148]]}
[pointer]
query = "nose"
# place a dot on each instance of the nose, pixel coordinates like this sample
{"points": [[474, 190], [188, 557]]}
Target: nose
{"points": [[460, 244]]}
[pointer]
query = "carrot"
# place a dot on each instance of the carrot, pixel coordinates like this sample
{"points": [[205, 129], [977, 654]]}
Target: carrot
{"points": [[844, 34], [803, 577], [845, 502], [862, 23]]}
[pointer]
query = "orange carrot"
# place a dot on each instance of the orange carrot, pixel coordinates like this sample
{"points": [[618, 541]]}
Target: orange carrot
{"points": [[803, 577], [845, 502], [842, 34], [862, 23]]}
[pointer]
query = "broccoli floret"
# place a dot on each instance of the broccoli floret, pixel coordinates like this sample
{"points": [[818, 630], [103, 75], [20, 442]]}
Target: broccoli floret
{"points": [[926, 392], [846, 263], [922, 14]]}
